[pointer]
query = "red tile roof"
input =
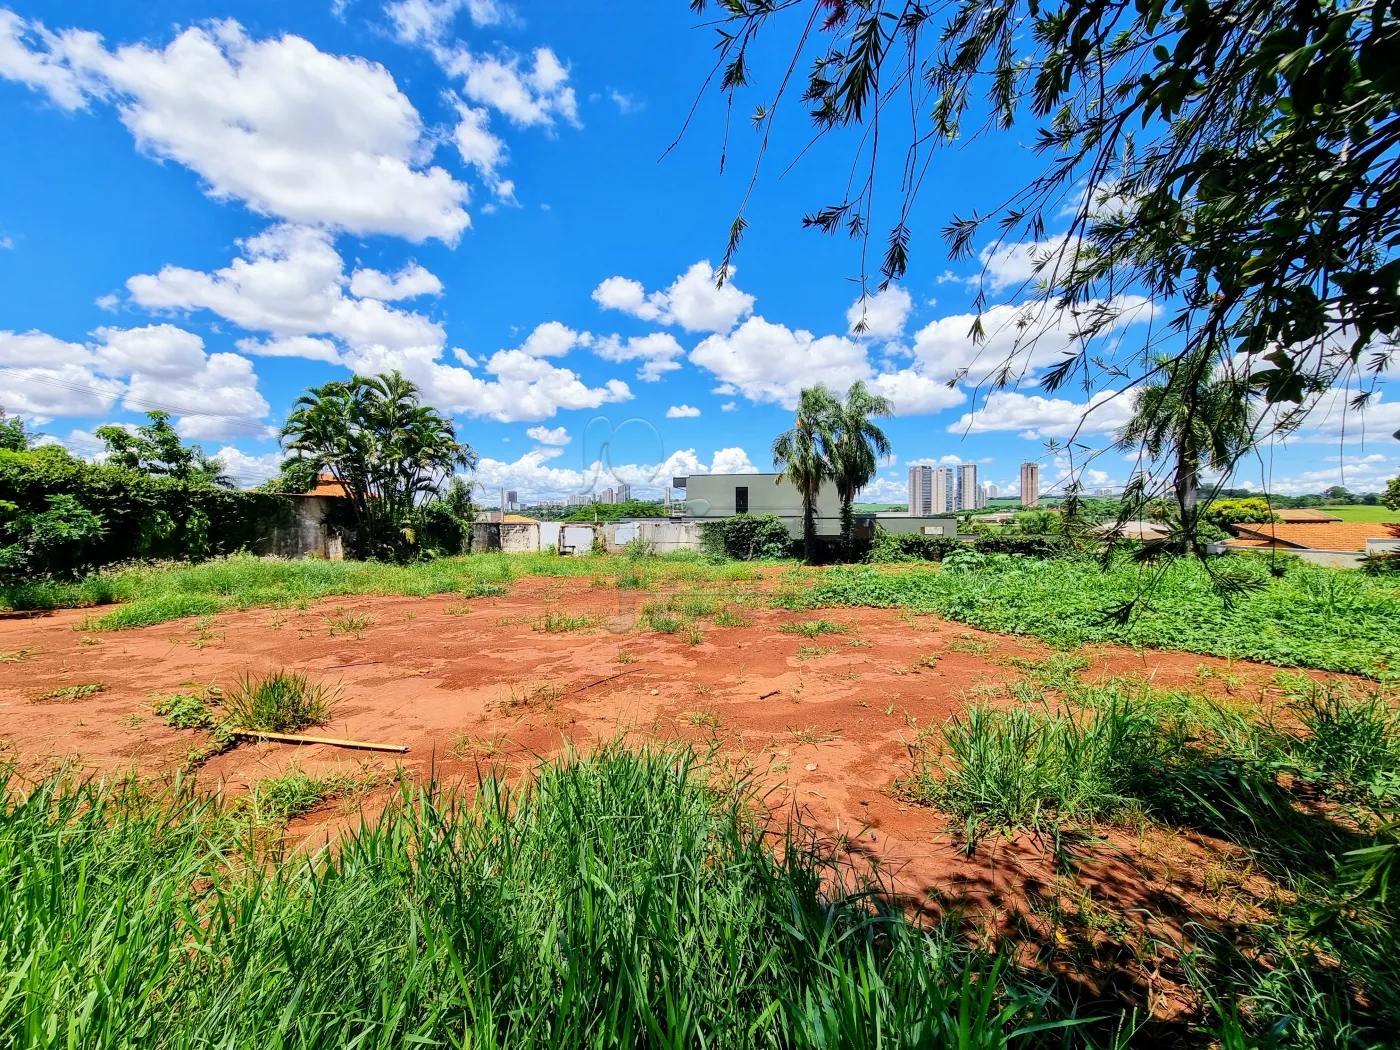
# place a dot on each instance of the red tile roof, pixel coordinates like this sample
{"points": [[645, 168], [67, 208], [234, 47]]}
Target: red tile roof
{"points": [[1303, 514], [1322, 536], [326, 485]]}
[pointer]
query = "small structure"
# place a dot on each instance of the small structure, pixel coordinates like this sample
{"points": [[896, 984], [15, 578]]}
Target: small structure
{"points": [[709, 497], [318, 524], [1144, 531]]}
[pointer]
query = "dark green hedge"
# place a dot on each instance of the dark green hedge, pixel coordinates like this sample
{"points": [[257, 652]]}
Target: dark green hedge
{"points": [[141, 516], [747, 536]]}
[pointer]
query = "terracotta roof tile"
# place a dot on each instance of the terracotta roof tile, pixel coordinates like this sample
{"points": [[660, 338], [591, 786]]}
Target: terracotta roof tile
{"points": [[1325, 536], [1302, 515]]}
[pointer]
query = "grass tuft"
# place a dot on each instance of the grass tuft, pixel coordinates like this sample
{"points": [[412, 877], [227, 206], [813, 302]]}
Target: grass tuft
{"points": [[813, 628], [279, 702]]}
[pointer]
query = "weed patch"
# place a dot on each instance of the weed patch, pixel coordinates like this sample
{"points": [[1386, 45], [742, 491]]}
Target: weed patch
{"points": [[69, 693]]}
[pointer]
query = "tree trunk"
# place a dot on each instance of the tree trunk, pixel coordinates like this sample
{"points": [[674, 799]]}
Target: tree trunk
{"points": [[1187, 481], [809, 527], [848, 524]]}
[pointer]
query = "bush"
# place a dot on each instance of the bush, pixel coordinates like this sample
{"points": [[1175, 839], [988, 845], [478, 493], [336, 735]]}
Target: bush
{"points": [[910, 546], [69, 515], [746, 536], [1025, 546]]}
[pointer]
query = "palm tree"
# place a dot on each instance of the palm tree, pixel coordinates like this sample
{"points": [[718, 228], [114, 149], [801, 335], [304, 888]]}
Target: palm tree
{"points": [[1194, 417], [385, 447], [857, 450], [805, 454]]}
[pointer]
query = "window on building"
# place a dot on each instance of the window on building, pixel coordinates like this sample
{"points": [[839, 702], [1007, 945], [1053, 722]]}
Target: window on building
{"points": [[741, 499]]}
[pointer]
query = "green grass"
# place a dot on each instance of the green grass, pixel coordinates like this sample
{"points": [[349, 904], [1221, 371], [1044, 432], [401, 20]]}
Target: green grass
{"points": [[279, 702], [154, 594], [1333, 619], [1309, 793], [616, 901], [559, 623], [276, 800], [1361, 512]]}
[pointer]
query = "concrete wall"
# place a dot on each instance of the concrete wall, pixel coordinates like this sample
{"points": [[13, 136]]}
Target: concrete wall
{"points": [[903, 525], [307, 529], [520, 537], [663, 535]]}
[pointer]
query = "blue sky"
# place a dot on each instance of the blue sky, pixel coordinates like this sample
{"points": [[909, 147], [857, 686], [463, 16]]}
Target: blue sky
{"points": [[208, 208]]}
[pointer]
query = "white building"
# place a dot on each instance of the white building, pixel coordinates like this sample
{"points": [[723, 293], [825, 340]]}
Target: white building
{"points": [[967, 487], [921, 492], [991, 491], [944, 490], [1030, 484]]}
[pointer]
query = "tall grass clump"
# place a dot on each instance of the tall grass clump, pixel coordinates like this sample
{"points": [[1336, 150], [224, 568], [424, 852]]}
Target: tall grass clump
{"points": [[278, 702], [1029, 767], [617, 900]]}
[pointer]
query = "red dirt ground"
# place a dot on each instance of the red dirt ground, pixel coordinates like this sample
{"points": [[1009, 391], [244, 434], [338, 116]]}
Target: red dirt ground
{"points": [[467, 683]]}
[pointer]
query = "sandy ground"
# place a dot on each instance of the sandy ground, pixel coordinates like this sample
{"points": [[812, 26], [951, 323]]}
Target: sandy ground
{"points": [[464, 683]]}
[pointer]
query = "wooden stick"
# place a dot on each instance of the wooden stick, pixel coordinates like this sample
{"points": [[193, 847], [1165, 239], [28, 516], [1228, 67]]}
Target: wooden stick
{"points": [[290, 738], [775, 692], [620, 674]]}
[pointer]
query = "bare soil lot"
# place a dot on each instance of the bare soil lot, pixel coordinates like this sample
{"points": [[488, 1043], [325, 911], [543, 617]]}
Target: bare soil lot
{"points": [[822, 723]]}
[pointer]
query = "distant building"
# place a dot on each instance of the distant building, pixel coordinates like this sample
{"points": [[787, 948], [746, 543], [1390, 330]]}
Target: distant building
{"points": [[981, 497], [944, 491], [512, 500], [921, 492], [1030, 484], [991, 491], [967, 487], [624, 493]]}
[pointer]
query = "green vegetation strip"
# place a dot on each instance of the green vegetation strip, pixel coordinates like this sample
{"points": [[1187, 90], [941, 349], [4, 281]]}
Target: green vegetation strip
{"points": [[1332, 619], [618, 901], [155, 594]]}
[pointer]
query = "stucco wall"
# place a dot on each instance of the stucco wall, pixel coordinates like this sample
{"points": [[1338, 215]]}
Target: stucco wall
{"points": [[307, 529], [662, 534]]}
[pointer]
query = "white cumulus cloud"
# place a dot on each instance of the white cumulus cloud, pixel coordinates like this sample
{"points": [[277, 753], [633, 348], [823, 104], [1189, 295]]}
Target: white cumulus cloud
{"points": [[290, 130], [547, 436], [880, 316], [682, 412], [692, 300]]}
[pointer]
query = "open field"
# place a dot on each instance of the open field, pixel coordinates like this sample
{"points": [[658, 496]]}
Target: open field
{"points": [[1089, 828], [1361, 512]]}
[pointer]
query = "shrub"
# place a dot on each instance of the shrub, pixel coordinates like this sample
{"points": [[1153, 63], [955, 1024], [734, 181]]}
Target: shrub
{"points": [[746, 536], [909, 546], [280, 702], [1026, 546]]}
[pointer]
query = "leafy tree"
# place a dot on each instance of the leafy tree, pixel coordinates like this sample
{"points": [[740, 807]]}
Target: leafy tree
{"points": [[156, 448], [632, 508], [295, 475], [1391, 498], [1223, 513], [1337, 493], [390, 451], [805, 455], [443, 525], [1195, 420], [13, 436], [1235, 161], [857, 447]]}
